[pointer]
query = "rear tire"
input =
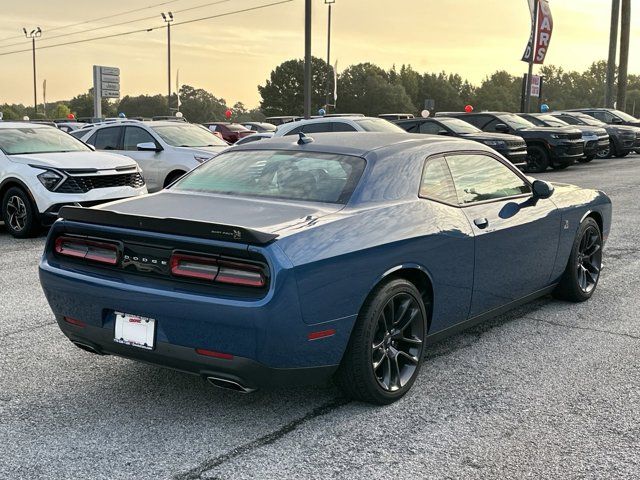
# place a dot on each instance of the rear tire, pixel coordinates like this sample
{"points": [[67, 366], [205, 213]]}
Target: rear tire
{"points": [[537, 159], [622, 154], [19, 214], [582, 274], [384, 354]]}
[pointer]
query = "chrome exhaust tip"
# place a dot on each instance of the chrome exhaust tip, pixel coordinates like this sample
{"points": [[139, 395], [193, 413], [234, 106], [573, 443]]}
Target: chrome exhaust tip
{"points": [[229, 385], [86, 347]]}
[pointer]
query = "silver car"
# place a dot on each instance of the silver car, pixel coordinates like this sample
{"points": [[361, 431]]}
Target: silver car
{"points": [[164, 150], [338, 124]]}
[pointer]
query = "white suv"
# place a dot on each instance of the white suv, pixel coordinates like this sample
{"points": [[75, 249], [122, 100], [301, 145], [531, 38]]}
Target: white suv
{"points": [[165, 150], [43, 169]]}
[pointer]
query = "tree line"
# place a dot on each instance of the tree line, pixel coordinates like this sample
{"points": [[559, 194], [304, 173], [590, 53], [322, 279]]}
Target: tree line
{"points": [[362, 88]]}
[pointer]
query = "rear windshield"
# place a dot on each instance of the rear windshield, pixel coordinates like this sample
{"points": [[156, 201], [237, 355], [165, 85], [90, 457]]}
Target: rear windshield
{"points": [[22, 140], [311, 177]]}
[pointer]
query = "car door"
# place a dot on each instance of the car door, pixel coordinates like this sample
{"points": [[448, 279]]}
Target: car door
{"points": [[516, 235], [149, 161]]}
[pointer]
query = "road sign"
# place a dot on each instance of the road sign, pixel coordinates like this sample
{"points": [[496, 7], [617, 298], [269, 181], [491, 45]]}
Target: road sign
{"points": [[535, 85], [106, 84]]}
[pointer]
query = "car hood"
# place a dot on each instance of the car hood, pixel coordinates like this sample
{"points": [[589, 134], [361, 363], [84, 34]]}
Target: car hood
{"points": [[505, 137], [70, 160], [588, 129], [269, 216]]}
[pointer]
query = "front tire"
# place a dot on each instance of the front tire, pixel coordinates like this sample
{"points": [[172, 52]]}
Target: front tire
{"points": [[19, 214], [581, 276], [384, 354], [537, 159]]}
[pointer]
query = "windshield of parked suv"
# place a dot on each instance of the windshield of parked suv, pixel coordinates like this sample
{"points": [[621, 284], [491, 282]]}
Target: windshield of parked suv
{"points": [[23, 140], [625, 116], [516, 122], [459, 126], [187, 135], [305, 176], [378, 125], [551, 121]]}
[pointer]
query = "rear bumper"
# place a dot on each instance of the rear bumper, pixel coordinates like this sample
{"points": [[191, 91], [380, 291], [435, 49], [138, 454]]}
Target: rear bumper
{"points": [[244, 371]]}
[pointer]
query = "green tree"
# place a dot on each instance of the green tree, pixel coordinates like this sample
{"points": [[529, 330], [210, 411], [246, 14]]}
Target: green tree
{"points": [[283, 92], [60, 110], [143, 105], [500, 91], [200, 106], [82, 106]]}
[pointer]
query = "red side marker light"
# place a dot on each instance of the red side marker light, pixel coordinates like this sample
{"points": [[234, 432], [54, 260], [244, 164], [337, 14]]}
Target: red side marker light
{"points": [[75, 322], [211, 353], [321, 334]]}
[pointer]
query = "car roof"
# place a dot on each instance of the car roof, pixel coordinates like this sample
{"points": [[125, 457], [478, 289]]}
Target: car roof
{"points": [[350, 143], [327, 119], [4, 124]]}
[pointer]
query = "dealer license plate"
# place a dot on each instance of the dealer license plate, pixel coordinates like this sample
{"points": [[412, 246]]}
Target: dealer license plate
{"points": [[135, 330]]}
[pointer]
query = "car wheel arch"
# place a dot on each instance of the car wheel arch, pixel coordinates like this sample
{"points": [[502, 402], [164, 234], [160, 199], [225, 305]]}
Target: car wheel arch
{"points": [[11, 182], [173, 175], [418, 275], [596, 216]]}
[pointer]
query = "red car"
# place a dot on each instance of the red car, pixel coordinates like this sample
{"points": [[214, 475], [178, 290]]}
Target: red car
{"points": [[231, 132]]}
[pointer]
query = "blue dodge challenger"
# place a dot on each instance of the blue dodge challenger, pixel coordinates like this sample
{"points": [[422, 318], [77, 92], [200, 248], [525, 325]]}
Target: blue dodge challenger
{"points": [[296, 259]]}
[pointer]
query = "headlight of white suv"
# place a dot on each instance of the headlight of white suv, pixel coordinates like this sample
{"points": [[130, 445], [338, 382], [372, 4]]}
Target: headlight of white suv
{"points": [[202, 158], [50, 179]]}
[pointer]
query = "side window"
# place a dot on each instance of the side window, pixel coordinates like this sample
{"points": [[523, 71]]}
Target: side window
{"points": [[343, 127], [605, 117], [569, 119], [437, 183], [491, 126], [317, 127], [432, 128], [411, 127], [293, 131], [135, 135], [476, 120], [479, 177], [107, 138]]}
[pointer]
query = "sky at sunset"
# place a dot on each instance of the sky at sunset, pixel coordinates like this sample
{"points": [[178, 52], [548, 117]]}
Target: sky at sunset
{"points": [[230, 56]]}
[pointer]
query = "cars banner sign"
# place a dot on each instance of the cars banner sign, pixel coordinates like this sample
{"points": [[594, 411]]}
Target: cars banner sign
{"points": [[541, 30]]}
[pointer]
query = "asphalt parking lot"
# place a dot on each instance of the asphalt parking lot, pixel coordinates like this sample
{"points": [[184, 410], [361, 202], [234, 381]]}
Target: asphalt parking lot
{"points": [[551, 390]]}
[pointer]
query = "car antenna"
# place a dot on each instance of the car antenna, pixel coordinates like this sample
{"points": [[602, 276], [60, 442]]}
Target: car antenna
{"points": [[303, 139]]}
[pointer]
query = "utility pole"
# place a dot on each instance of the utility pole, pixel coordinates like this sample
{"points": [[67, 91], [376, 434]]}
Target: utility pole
{"points": [[33, 34], [329, 71], [625, 32], [609, 92], [307, 58], [527, 101], [168, 18]]}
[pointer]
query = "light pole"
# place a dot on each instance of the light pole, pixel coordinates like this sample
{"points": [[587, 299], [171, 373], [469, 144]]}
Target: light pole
{"points": [[33, 34], [307, 58], [609, 93], [328, 101], [168, 18]]}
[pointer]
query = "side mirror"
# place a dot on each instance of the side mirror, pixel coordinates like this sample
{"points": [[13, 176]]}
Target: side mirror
{"points": [[502, 128], [616, 120], [542, 189], [148, 147]]}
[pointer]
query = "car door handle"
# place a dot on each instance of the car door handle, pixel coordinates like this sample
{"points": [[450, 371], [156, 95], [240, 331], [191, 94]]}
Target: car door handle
{"points": [[481, 223]]}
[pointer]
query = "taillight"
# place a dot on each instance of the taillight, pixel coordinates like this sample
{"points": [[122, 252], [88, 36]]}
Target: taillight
{"points": [[92, 250], [191, 266], [217, 270]]}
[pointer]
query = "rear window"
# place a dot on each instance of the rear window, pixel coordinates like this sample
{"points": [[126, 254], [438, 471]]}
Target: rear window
{"points": [[312, 177]]}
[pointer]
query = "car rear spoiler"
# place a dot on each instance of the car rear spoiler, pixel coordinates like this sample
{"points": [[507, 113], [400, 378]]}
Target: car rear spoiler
{"points": [[176, 226]]}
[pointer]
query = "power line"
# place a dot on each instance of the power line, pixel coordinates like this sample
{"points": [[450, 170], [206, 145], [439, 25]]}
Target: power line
{"points": [[128, 22], [84, 22], [259, 7]]}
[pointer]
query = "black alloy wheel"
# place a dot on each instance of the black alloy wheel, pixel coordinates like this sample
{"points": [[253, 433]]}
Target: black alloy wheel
{"points": [[582, 274], [384, 354], [19, 214], [537, 159], [397, 342]]}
